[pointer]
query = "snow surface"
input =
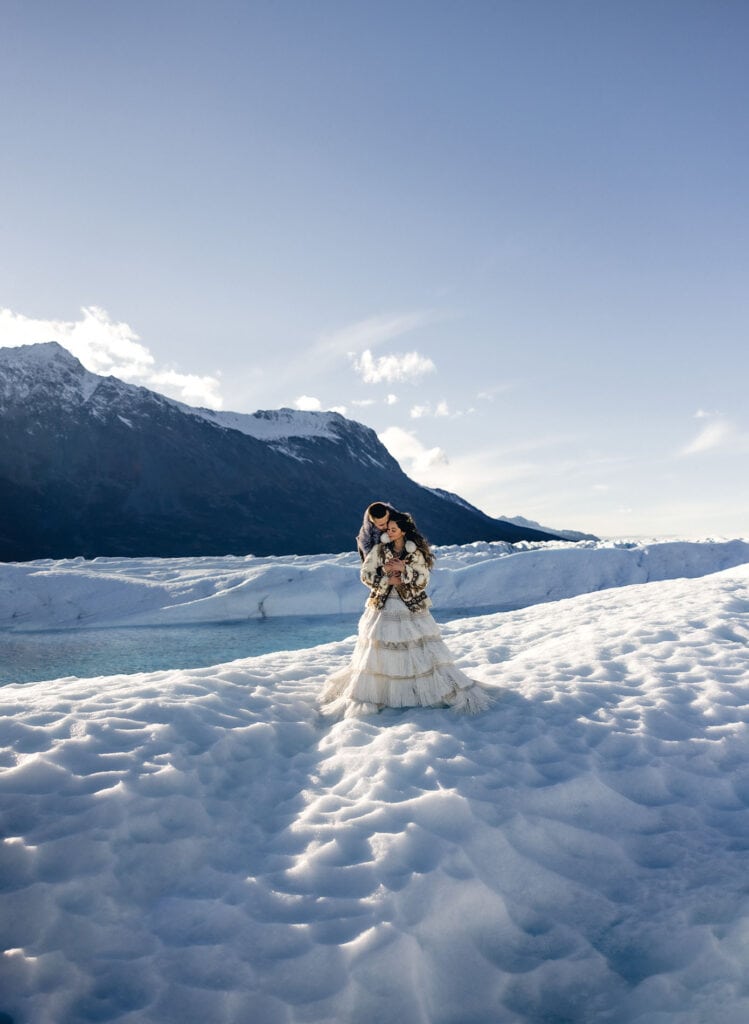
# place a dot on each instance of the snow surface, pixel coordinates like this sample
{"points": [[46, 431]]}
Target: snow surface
{"points": [[276, 424], [201, 846], [32, 368], [281, 428], [156, 591]]}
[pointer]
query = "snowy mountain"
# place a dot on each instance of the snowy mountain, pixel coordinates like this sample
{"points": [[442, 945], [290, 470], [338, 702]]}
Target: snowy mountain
{"points": [[531, 524], [526, 524], [92, 466]]}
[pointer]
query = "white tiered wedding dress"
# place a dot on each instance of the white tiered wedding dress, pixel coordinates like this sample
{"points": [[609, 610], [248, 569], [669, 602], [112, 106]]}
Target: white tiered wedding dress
{"points": [[400, 659]]}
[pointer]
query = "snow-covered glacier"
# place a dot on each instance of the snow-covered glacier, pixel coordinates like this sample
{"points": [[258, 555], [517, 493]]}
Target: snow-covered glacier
{"points": [[484, 575], [192, 846]]}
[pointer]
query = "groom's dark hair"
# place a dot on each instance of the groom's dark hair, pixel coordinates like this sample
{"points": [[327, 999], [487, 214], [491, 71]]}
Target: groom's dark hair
{"points": [[377, 510]]}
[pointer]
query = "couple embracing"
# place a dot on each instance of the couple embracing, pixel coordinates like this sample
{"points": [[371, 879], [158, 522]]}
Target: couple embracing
{"points": [[400, 659]]}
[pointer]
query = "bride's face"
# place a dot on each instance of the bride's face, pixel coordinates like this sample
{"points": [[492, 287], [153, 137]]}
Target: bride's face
{"points": [[394, 531]]}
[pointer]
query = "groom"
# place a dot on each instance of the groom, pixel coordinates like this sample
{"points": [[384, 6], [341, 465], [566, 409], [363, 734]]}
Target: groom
{"points": [[375, 521]]}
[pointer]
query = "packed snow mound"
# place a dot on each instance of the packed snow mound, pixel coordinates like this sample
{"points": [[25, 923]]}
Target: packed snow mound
{"points": [[483, 575], [202, 846]]}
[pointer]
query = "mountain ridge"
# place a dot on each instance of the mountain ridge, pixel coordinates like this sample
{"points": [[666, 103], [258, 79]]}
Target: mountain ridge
{"points": [[91, 465]]}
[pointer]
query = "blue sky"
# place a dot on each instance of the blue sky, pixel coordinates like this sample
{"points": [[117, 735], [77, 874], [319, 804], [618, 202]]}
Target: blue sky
{"points": [[512, 237]]}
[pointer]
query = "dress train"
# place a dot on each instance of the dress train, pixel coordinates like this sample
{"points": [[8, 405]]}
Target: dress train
{"points": [[400, 660]]}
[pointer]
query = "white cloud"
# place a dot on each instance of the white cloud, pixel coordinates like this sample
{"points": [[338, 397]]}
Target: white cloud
{"points": [[391, 400], [322, 358], [188, 388], [440, 409], [362, 401], [397, 367], [417, 460], [308, 404], [106, 346], [101, 344]]}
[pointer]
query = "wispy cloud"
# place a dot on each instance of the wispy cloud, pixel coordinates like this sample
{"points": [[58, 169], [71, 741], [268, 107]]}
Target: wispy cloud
{"points": [[107, 346], [492, 477], [374, 331], [389, 369], [717, 433], [488, 394], [345, 345]]}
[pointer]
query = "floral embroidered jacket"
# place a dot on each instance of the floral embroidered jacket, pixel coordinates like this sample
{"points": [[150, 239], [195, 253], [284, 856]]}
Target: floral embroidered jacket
{"points": [[415, 576]]}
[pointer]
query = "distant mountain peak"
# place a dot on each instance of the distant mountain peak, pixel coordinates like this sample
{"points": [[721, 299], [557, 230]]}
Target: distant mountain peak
{"points": [[39, 352], [531, 524], [28, 367], [30, 370], [44, 353]]}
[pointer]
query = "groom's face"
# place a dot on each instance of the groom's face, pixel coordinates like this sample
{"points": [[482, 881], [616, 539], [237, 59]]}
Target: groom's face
{"points": [[382, 522]]}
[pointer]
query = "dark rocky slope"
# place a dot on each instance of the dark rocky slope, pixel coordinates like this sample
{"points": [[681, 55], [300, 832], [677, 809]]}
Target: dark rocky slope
{"points": [[92, 466]]}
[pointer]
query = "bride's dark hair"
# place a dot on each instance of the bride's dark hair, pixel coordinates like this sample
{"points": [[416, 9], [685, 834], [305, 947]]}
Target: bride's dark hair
{"points": [[406, 523]]}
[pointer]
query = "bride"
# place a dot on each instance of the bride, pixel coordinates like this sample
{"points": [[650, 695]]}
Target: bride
{"points": [[400, 659]]}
